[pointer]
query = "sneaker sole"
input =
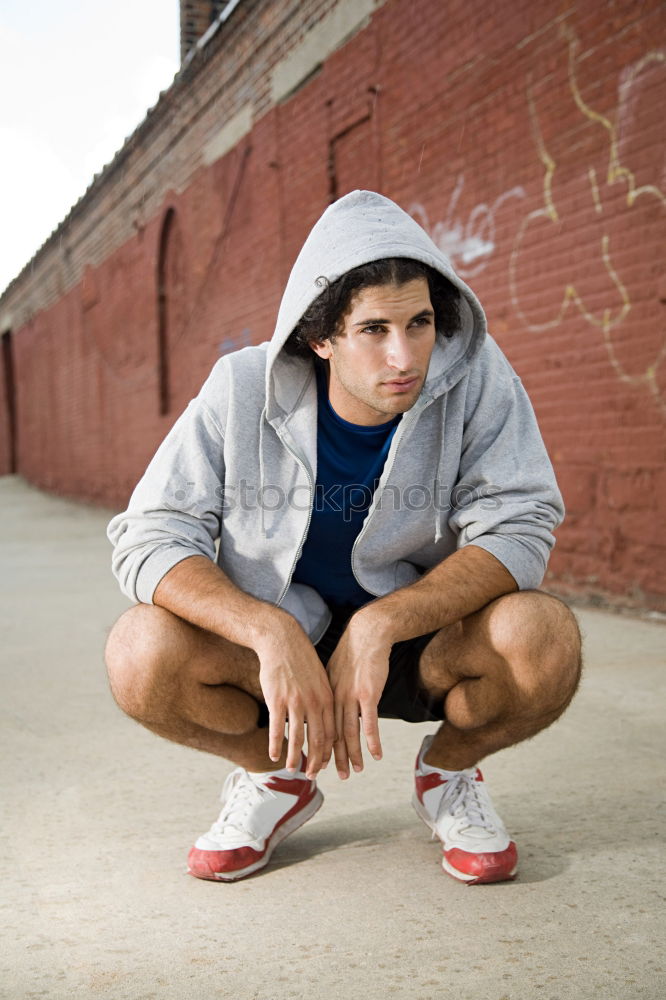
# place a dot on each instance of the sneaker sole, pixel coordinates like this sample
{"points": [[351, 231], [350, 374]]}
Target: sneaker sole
{"points": [[449, 869], [274, 841]]}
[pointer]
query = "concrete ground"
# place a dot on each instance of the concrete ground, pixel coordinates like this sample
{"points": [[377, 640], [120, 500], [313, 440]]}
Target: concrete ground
{"points": [[98, 815]]}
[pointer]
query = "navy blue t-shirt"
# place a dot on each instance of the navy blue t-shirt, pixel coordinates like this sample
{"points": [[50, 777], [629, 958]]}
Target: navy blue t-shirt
{"points": [[350, 459]]}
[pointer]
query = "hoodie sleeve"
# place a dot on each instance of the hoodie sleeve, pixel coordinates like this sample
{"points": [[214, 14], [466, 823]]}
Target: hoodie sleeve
{"points": [[507, 500], [175, 509]]}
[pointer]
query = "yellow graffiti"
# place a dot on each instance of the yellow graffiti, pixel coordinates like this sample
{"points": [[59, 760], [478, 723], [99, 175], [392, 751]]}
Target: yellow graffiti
{"points": [[546, 159], [592, 174], [617, 172]]}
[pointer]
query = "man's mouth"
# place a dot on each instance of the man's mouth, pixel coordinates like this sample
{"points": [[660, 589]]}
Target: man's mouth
{"points": [[402, 384]]}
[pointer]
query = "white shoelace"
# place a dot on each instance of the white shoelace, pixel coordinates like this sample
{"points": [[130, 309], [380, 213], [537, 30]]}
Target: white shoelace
{"points": [[239, 795], [462, 797]]}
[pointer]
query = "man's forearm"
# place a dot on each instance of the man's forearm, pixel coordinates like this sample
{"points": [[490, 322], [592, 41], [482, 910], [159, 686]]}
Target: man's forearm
{"points": [[461, 584], [197, 590]]}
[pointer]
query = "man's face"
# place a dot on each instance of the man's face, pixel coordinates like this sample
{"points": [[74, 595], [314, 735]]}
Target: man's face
{"points": [[379, 360]]}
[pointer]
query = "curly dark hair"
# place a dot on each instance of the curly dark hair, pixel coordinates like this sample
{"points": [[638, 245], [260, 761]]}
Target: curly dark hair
{"points": [[323, 319]]}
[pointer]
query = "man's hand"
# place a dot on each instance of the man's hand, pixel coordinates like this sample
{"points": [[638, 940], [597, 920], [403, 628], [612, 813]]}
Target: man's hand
{"points": [[292, 680], [461, 584], [358, 670], [296, 689]]}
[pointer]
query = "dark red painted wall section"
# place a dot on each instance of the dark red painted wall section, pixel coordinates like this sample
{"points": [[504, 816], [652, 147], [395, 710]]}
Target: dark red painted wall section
{"points": [[529, 141], [5, 393]]}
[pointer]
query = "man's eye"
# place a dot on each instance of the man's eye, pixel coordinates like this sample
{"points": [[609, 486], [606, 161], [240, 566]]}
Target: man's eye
{"points": [[373, 328]]}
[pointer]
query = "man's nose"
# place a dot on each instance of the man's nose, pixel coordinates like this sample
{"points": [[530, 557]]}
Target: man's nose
{"points": [[400, 355]]}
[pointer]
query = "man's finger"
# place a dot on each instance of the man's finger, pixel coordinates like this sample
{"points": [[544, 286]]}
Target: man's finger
{"points": [[296, 740], [352, 736], [316, 744], [371, 729], [330, 735], [341, 759], [276, 724], [330, 728], [340, 747]]}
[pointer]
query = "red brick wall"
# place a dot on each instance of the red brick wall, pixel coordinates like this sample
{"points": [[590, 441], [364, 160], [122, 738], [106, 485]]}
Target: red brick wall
{"points": [[527, 137], [5, 430]]}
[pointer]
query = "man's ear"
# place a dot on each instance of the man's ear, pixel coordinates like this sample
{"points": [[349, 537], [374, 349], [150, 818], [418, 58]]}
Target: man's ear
{"points": [[322, 348]]}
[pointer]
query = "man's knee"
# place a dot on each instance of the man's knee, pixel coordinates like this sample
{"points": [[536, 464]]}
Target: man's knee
{"points": [[539, 634], [134, 656]]}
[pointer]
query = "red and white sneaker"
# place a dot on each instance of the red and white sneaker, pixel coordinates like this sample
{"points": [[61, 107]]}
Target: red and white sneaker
{"points": [[457, 807], [258, 812]]}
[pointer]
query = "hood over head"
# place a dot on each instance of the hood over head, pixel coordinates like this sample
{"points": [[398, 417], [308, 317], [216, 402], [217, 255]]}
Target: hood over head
{"points": [[361, 227]]}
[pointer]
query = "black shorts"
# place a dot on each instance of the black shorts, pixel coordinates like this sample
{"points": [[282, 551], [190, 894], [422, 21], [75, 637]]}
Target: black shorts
{"points": [[403, 697]]}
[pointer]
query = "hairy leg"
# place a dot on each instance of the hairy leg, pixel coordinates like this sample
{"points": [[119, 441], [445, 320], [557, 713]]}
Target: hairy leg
{"points": [[505, 673], [188, 685]]}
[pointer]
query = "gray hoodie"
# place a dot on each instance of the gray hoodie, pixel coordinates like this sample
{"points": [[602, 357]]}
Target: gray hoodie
{"points": [[466, 465]]}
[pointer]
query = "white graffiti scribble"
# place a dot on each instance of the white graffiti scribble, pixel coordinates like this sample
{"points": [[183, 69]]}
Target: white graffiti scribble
{"points": [[469, 245]]}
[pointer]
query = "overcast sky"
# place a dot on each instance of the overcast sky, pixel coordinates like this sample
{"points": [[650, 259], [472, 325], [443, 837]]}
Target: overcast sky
{"points": [[76, 77]]}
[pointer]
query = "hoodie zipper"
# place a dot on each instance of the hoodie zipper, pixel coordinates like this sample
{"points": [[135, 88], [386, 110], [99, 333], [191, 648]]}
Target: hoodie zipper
{"points": [[303, 464]]}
